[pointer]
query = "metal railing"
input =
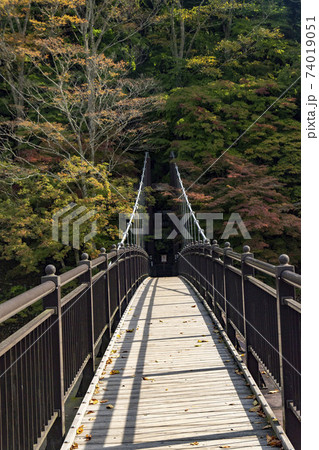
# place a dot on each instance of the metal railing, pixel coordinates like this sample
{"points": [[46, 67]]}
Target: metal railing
{"points": [[267, 318], [41, 362]]}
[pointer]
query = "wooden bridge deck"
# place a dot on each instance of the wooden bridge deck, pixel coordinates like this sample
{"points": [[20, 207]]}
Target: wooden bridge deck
{"points": [[170, 383]]}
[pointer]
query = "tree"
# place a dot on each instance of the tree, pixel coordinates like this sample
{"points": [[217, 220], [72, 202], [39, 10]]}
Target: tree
{"points": [[205, 120], [29, 200], [245, 188]]}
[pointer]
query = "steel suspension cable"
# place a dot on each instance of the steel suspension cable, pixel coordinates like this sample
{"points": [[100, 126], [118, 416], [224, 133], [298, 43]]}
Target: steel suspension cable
{"points": [[131, 228], [196, 228]]}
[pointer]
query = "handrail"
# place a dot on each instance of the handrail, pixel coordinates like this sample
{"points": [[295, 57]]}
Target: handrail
{"points": [[16, 304], [292, 278], [233, 255], [12, 340], [97, 261], [264, 267], [72, 274]]}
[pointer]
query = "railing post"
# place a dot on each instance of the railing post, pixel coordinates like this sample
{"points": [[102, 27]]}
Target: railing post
{"points": [[104, 266], [215, 256], [252, 363], [290, 421], [54, 301], [129, 272], [230, 330], [118, 281], [87, 278], [126, 281], [207, 272], [228, 327]]}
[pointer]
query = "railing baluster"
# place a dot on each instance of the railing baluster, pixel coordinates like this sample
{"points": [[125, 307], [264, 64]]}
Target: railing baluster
{"points": [[118, 281]]}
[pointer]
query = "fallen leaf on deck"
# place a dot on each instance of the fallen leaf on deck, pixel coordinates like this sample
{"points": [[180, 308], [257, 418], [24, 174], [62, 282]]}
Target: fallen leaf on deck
{"points": [[90, 412], [130, 331], [74, 446], [197, 345], [92, 418], [88, 437], [272, 441], [261, 413], [148, 379], [267, 426], [113, 351], [239, 372], [250, 396], [202, 340], [255, 402], [273, 392], [194, 306], [110, 406], [194, 443], [161, 321], [80, 429], [114, 372], [255, 408], [224, 446], [93, 401], [103, 401], [109, 361]]}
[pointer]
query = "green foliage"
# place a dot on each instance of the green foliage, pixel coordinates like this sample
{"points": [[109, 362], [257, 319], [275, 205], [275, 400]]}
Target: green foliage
{"points": [[219, 67], [206, 120]]}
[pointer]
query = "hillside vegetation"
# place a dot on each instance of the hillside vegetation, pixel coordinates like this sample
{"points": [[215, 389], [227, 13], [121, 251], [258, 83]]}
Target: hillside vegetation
{"points": [[87, 86]]}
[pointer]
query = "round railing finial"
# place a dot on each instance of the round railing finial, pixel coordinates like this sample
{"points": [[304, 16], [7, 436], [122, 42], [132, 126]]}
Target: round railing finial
{"points": [[50, 269], [84, 257], [215, 242], [103, 250], [284, 260], [227, 244], [246, 249], [113, 246]]}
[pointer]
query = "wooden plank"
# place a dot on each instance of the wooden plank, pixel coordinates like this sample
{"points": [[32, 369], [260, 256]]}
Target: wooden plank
{"points": [[191, 393]]}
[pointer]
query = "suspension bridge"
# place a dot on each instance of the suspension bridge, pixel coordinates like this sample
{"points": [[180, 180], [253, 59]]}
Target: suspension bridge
{"points": [[158, 361]]}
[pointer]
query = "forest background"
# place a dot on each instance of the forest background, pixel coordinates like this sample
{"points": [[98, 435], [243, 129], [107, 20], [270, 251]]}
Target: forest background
{"points": [[87, 86]]}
